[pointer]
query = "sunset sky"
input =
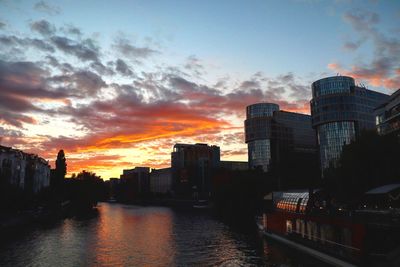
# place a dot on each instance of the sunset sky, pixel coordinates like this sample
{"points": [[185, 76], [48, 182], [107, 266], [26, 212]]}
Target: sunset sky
{"points": [[117, 83]]}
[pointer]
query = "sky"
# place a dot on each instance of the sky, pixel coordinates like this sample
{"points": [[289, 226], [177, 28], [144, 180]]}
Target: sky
{"points": [[117, 83]]}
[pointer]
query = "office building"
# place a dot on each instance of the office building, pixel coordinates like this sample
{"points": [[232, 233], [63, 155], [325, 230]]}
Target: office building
{"points": [[192, 167], [234, 165], [388, 115], [136, 182], [340, 110], [272, 134], [161, 181]]}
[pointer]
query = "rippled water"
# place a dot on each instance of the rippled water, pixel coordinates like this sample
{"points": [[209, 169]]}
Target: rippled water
{"points": [[123, 235]]}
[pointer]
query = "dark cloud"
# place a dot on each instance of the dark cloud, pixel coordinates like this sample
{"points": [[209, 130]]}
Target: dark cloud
{"points": [[124, 47], [88, 81], [63, 67], [249, 85], [43, 27], [71, 29], [353, 45], [45, 7], [2, 25], [101, 69], [361, 20], [80, 83], [123, 68], [20, 83], [194, 65], [12, 41], [85, 51], [382, 68]]}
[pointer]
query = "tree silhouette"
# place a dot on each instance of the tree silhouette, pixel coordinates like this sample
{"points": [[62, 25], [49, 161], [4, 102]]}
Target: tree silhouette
{"points": [[368, 162], [61, 165]]}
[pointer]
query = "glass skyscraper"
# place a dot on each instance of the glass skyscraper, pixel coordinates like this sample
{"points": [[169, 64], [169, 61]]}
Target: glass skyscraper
{"points": [[272, 134], [340, 110], [258, 134]]}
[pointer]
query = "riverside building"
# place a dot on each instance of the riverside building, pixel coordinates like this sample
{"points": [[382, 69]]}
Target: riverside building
{"points": [[192, 166], [388, 115], [340, 110], [25, 171], [280, 142]]}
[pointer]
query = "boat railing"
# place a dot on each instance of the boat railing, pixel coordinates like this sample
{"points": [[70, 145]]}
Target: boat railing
{"points": [[331, 247]]}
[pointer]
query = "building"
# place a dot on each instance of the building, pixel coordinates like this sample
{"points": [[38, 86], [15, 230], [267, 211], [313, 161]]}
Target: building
{"points": [[135, 182], [234, 165], [161, 181], [192, 166], [340, 110], [388, 115], [29, 172], [258, 134], [271, 134]]}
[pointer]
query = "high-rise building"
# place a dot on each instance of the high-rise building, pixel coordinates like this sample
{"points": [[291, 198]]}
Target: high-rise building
{"points": [[271, 134], [388, 115], [258, 134], [340, 110], [192, 166]]}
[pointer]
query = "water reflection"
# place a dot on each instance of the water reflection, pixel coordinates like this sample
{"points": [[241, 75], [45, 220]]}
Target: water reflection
{"points": [[124, 235]]}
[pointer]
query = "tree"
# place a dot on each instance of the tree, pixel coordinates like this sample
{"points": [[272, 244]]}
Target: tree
{"points": [[61, 165], [370, 161]]}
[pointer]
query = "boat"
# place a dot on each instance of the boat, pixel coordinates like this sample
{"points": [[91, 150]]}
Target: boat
{"points": [[335, 235]]}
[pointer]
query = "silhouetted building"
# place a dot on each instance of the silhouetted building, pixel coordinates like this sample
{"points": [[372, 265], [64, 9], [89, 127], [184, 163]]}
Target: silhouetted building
{"points": [[234, 165], [388, 115], [340, 110], [114, 183], [28, 172], [192, 167], [135, 182], [161, 181]]}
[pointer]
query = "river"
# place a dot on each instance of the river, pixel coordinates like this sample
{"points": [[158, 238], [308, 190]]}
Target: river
{"points": [[124, 235]]}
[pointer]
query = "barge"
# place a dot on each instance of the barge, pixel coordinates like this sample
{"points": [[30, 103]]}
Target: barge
{"points": [[335, 235]]}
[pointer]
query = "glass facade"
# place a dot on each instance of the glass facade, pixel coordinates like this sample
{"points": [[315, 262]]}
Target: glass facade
{"points": [[259, 153], [261, 110], [292, 201], [270, 133], [331, 138], [388, 115], [332, 85], [339, 110], [258, 133]]}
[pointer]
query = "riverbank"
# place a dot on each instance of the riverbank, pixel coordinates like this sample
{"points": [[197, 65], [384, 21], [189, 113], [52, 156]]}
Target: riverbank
{"points": [[15, 221]]}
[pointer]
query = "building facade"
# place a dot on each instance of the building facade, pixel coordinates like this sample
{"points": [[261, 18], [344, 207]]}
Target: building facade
{"points": [[388, 115], [340, 110], [136, 182], [258, 134], [192, 167], [161, 181], [271, 133], [234, 165], [28, 172]]}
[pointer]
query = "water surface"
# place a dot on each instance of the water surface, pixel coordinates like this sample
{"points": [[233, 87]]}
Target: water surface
{"points": [[123, 235]]}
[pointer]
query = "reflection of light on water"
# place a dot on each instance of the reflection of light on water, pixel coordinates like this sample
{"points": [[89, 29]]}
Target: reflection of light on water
{"points": [[124, 235], [141, 237]]}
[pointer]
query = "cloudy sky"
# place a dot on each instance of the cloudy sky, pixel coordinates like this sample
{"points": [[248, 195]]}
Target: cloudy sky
{"points": [[117, 83]]}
